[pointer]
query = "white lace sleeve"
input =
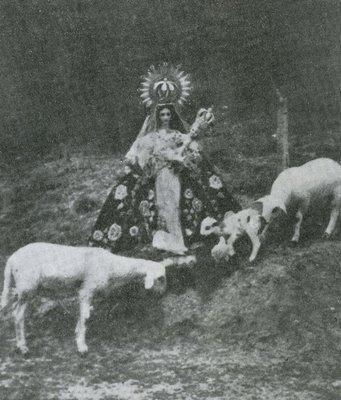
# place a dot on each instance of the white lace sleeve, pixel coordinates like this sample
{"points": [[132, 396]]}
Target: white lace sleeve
{"points": [[141, 151]]}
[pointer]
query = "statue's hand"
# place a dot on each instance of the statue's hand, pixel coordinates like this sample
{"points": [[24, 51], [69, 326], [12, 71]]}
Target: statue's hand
{"points": [[202, 121], [204, 116]]}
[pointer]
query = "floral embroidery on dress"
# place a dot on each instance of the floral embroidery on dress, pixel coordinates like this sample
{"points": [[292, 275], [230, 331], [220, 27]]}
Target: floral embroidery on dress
{"points": [[188, 194], [115, 232], [197, 205], [121, 192], [215, 182], [98, 235], [144, 208], [134, 231]]}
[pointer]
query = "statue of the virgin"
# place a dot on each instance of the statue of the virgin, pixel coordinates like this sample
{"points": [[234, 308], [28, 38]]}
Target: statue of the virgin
{"points": [[167, 186]]}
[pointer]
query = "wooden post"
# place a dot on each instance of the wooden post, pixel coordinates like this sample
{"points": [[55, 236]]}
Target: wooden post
{"points": [[282, 132]]}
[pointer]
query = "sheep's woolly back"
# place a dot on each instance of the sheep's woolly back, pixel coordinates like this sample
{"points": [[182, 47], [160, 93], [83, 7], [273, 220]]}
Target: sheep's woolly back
{"points": [[316, 175]]}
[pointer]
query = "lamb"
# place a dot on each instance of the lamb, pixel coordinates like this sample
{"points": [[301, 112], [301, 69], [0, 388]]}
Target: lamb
{"points": [[36, 264], [317, 179]]}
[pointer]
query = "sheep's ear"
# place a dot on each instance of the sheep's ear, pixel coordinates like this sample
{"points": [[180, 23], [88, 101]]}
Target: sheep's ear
{"points": [[148, 281], [228, 214]]}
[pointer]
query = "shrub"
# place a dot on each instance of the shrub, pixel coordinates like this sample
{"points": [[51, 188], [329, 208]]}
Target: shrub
{"points": [[85, 204]]}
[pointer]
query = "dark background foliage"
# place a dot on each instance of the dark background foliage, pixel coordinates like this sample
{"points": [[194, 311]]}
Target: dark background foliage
{"points": [[70, 69]]}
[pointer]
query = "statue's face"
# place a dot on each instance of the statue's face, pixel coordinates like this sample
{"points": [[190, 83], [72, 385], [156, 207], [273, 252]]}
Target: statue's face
{"points": [[165, 116]]}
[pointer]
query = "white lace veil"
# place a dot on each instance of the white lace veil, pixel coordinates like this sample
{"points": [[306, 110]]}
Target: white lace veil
{"points": [[132, 153]]}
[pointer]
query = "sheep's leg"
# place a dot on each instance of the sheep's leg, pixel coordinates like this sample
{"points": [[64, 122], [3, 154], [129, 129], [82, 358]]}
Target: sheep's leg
{"points": [[256, 243], [255, 240], [19, 320], [84, 314], [297, 228], [299, 218], [334, 215], [263, 235]]}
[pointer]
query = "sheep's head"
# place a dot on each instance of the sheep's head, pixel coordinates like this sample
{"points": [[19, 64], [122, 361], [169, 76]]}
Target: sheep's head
{"points": [[156, 279], [210, 232], [209, 226]]}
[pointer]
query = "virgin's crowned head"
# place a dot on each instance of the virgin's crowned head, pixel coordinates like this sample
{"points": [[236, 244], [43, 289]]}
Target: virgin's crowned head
{"points": [[165, 84], [163, 91], [164, 117], [167, 117]]}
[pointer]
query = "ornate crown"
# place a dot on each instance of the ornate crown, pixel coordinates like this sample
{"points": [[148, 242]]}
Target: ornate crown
{"points": [[165, 84]]}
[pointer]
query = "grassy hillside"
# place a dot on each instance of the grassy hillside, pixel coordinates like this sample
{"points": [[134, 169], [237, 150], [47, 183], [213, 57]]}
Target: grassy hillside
{"points": [[228, 331]]}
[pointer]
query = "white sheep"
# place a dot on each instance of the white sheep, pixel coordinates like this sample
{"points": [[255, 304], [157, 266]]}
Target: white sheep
{"points": [[39, 263], [233, 226], [317, 179]]}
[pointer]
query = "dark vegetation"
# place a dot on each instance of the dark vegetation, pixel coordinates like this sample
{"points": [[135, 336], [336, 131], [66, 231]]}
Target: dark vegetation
{"points": [[70, 69], [69, 109]]}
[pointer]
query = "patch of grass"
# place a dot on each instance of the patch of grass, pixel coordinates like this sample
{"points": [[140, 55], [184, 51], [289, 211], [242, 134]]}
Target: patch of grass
{"points": [[85, 204]]}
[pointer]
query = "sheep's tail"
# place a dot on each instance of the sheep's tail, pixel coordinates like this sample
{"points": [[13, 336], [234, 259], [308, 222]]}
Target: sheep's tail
{"points": [[181, 260], [7, 285]]}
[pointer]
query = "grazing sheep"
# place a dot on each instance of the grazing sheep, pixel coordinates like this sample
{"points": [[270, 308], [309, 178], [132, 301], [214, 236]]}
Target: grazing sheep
{"points": [[314, 180], [299, 186], [232, 227], [235, 225], [39, 263]]}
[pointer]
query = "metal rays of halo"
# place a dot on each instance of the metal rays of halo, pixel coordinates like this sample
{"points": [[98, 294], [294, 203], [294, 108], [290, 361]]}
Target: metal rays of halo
{"points": [[177, 80]]}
